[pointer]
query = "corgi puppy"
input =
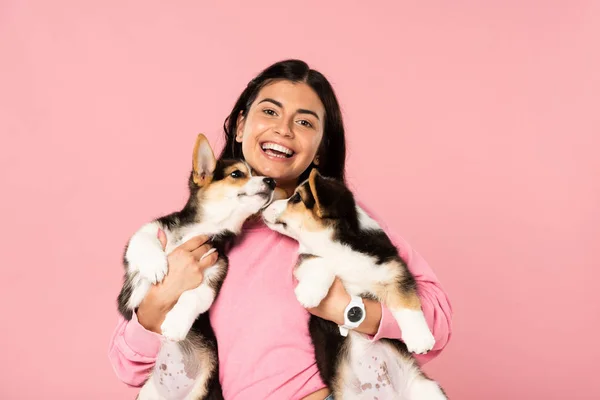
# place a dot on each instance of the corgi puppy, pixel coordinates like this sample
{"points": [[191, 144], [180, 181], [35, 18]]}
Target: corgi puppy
{"points": [[222, 195], [337, 238]]}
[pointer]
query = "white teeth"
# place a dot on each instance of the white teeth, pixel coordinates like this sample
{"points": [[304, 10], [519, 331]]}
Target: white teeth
{"points": [[277, 147]]}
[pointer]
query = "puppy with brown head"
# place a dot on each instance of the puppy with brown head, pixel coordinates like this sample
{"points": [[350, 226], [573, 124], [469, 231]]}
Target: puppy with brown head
{"points": [[223, 194], [337, 238]]}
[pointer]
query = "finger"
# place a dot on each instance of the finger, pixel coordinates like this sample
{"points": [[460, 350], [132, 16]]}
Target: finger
{"points": [[209, 259], [162, 237], [194, 243], [208, 253], [201, 251]]}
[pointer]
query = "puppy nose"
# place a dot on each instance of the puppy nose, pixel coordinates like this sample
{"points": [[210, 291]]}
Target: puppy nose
{"points": [[270, 182]]}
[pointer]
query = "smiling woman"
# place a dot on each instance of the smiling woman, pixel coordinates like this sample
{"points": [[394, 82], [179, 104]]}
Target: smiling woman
{"points": [[281, 132], [286, 122]]}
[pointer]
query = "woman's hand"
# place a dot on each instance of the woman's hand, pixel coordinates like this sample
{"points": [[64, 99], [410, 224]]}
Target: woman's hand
{"points": [[185, 272], [332, 308]]}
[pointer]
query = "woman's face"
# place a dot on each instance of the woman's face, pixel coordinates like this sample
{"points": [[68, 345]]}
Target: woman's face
{"points": [[282, 131]]}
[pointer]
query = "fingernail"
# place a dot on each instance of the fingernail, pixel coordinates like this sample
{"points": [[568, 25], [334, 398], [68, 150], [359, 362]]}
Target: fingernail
{"points": [[208, 253]]}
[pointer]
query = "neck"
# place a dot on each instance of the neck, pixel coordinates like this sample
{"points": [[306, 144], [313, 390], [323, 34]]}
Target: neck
{"points": [[288, 187], [215, 222], [319, 244]]}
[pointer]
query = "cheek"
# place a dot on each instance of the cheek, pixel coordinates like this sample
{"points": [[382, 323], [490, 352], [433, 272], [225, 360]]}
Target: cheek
{"points": [[220, 191], [253, 127], [311, 145]]}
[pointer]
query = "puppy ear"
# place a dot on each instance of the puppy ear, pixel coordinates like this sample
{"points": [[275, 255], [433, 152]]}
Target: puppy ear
{"points": [[203, 161], [315, 184], [332, 198]]}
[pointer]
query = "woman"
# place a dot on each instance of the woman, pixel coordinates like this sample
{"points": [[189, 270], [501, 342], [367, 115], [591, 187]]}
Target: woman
{"points": [[265, 350]]}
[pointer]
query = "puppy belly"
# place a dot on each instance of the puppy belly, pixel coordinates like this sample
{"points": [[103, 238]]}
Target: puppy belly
{"points": [[174, 374], [376, 370]]}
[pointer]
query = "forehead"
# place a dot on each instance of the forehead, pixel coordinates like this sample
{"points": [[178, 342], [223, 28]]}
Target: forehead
{"points": [[293, 96]]}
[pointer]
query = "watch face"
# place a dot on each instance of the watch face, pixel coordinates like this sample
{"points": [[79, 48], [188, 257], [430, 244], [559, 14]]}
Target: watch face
{"points": [[355, 314]]}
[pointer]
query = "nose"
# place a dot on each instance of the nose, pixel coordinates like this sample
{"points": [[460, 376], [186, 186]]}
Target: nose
{"points": [[270, 183], [283, 128]]}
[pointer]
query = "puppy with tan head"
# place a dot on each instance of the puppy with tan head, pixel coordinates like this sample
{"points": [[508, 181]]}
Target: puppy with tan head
{"points": [[222, 195], [337, 238]]}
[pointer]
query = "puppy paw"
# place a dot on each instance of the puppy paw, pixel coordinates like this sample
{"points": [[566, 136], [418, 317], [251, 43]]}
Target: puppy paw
{"points": [[418, 341], [309, 296], [175, 329], [415, 331], [152, 264]]}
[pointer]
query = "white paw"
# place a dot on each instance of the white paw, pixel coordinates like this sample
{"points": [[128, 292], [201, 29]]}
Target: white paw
{"points": [[309, 296], [175, 329], [418, 339], [415, 331], [152, 264]]}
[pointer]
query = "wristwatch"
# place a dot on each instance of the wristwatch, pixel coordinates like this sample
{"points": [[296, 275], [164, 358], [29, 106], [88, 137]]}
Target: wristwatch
{"points": [[354, 315]]}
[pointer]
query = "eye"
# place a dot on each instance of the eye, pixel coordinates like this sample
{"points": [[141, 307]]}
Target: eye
{"points": [[270, 112], [237, 174], [305, 123], [295, 199]]}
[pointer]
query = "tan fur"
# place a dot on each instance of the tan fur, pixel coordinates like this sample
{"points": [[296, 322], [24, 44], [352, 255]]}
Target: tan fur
{"points": [[390, 294], [207, 361], [218, 190], [313, 188], [241, 167], [311, 221], [200, 177], [394, 299], [344, 371], [299, 212]]}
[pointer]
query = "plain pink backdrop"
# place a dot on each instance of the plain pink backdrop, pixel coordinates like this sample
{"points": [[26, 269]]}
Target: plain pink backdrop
{"points": [[484, 117]]}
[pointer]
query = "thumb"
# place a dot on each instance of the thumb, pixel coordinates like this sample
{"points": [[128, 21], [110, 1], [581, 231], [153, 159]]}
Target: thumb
{"points": [[162, 238]]}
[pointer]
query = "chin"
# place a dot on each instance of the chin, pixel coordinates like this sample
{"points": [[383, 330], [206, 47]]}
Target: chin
{"points": [[275, 171]]}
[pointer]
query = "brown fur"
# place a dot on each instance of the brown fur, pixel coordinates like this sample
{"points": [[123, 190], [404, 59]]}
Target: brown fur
{"points": [[311, 220], [200, 177], [313, 188], [216, 190]]}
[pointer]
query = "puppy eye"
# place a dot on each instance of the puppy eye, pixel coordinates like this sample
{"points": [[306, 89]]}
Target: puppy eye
{"points": [[236, 174], [295, 198]]}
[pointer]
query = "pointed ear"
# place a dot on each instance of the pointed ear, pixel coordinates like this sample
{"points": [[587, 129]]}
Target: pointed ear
{"points": [[314, 182], [203, 161]]}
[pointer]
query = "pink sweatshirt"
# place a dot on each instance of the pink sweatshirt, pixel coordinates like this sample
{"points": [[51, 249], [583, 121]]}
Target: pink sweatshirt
{"points": [[265, 351]]}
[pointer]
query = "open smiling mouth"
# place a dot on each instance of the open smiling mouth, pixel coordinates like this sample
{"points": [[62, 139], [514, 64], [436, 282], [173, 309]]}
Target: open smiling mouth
{"points": [[276, 150]]}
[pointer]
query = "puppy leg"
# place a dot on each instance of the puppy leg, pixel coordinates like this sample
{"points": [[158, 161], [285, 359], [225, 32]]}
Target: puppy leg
{"points": [[145, 254], [207, 369], [425, 389], [139, 289], [149, 391], [315, 278], [406, 309], [180, 318]]}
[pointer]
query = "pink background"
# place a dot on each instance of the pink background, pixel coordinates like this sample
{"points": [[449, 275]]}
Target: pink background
{"points": [[484, 117]]}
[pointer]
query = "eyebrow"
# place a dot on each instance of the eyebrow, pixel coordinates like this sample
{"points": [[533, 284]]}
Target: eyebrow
{"points": [[299, 111]]}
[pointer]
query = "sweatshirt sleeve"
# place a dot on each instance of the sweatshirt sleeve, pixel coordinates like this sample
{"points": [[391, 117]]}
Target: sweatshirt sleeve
{"points": [[435, 303], [133, 351]]}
